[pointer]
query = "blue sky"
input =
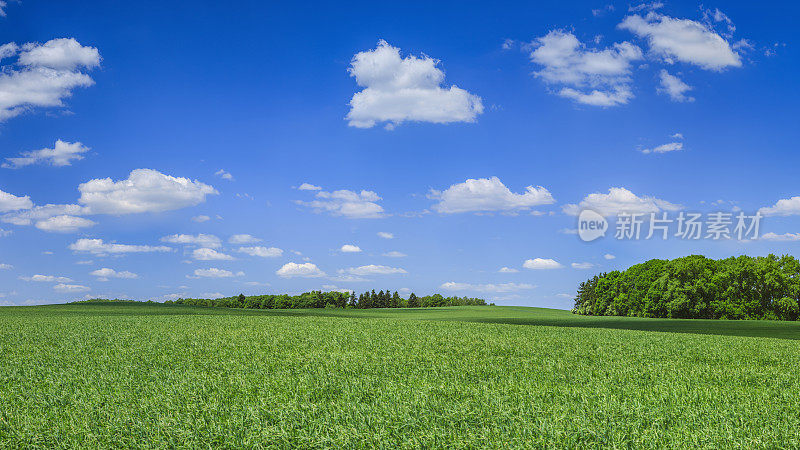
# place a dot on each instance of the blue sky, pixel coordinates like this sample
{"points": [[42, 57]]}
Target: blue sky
{"points": [[463, 131]]}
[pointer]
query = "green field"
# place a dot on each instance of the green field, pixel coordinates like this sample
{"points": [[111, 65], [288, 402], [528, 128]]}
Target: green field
{"points": [[172, 376]]}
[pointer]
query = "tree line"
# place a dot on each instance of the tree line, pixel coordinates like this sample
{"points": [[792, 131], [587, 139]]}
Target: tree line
{"points": [[333, 299], [696, 287]]}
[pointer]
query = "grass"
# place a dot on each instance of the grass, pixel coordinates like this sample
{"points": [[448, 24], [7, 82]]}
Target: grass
{"points": [[139, 376]]}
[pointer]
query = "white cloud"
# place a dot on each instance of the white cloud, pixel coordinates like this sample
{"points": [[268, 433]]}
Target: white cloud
{"points": [[486, 195], [385, 235], [209, 254], [6, 266], [541, 264], [241, 239], [105, 273], [44, 74], [588, 76], [400, 89], [395, 254], [494, 288], [619, 200], [11, 202], [677, 136], [62, 154], [783, 207], [609, 256], [507, 270], [350, 248], [346, 203], [674, 87], [331, 287], [200, 240], [373, 269], [43, 212], [645, 6], [682, 40], [224, 175], [213, 272], [64, 224], [582, 265], [201, 218], [264, 252], [63, 54], [71, 288], [664, 148], [46, 279], [145, 190], [306, 270], [3, 5], [98, 247], [308, 187], [786, 237], [344, 278]]}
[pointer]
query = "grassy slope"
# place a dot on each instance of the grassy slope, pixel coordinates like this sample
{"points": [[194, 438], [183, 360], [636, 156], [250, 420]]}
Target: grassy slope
{"points": [[87, 375]]}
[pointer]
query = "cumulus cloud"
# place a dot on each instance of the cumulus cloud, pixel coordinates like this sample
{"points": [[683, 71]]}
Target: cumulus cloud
{"points": [[582, 265], [785, 237], [350, 248], [38, 278], [241, 239], [200, 240], [39, 213], [145, 190], [487, 195], [674, 87], [62, 154], [398, 89], [308, 187], [333, 287], [609, 256], [224, 175], [98, 247], [395, 254], [71, 288], [6, 266], [43, 75], [264, 252], [541, 264], [209, 254], [213, 272], [507, 270], [64, 224], [682, 40], [201, 218], [305, 270], [783, 207], [491, 288], [106, 273], [373, 269], [664, 148], [346, 203], [11, 202], [620, 200], [588, 76], [385, 235]]}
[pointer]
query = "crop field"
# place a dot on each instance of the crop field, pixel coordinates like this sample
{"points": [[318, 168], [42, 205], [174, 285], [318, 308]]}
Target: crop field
{"points": [[145, 376]]}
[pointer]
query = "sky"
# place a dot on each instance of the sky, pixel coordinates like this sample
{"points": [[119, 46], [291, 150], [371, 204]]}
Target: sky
{"points": [[157, 150]]}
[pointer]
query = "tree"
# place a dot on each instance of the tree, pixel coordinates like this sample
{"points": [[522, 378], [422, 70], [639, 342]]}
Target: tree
{"points": [[413, 302]]}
